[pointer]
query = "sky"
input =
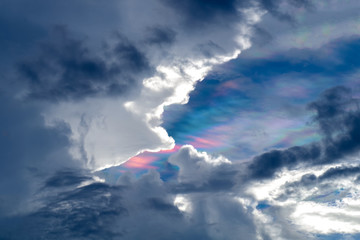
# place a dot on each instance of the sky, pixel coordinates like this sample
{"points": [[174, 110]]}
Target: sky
{"points": [[192, 119]]}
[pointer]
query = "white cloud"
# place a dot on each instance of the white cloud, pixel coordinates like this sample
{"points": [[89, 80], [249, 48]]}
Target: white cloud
{"points": [[328, 21], [108, 132], [195, 167], [325, 218], [327, 207]]}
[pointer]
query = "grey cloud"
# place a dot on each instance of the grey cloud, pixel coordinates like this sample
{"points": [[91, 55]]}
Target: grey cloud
{"points": [[99, 211], [330, 109], [29, 152], [204, 13], [85, 213], [159, 204], [342, 172], [209, 49], [67, 70], [260, 36], [201, 12], [221, 179], [134, 208], [338, 117], [64, 178], [339, 172], [266, 165], [160, 35], [273, 6]]}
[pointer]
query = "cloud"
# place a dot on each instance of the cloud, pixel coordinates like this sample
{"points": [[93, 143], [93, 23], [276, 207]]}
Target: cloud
{"points": [[309, 29], [248, 106], [338, 117], [132, 124], [202, 13], [64, 178], [312, 187], [195, 167], [210, 198], [135, 208], [153, 62], [67, 70], [30, 152], [110, 112], [160, 35]]}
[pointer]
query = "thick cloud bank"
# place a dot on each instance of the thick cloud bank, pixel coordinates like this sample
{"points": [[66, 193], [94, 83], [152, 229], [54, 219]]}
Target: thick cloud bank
{"points": [[211, 197], [111, 90], [84, 87]]}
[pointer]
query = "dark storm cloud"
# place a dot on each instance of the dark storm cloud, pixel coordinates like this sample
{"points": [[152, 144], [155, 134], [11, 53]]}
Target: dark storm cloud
{"points": [[67, 69], [102, 211], [64, 178], [84, 213], [29, 151], [23, 24], [160, 35], [135, 208], [221, 179], [331, 174], [265, 165], [339, 172], [99, 209], [200, 13], [159, 204], [338, 116], [16, 36], [331, 109]]}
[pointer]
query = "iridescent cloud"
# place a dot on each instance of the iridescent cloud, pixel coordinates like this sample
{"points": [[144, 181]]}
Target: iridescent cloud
{"points": [[256, 107]]}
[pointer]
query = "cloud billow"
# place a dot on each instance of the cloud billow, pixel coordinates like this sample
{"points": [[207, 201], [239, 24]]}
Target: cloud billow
{"points": [[66, 69], [155, 59], [105, 105], [210, 198], [338, 117]]}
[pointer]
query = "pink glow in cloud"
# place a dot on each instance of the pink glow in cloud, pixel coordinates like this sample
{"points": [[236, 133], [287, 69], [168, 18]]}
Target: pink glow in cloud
{"points": [[224, 88], [144, 160], [199, 142], [175, 149], [141, 161]]}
